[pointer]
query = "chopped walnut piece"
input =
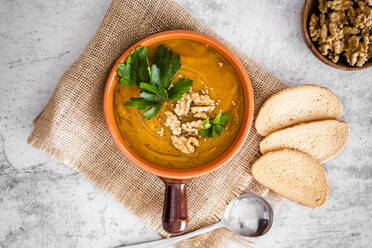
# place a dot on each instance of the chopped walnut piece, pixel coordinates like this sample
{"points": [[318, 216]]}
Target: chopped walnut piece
{"points": [[357, 52], [173, 123], [203, 104], [351, 30], [339, 4], [199, 109], [322, 6], [314, 28], [201, 115], [192, 127], [198, 99], [185, 145], [183, 105]]}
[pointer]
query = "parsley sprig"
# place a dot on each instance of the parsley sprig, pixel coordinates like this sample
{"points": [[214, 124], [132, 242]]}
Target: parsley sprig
{"points": [[216, 126], [155, 82]]}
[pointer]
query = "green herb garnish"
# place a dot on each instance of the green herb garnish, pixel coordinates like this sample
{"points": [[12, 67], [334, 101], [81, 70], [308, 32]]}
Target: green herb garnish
{"points": [[155, 82], [214, 128], [136, 69], [165, 65]]}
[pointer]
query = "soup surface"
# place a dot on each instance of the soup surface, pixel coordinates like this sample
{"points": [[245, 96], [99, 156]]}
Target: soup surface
{"points": [[211, 74]]}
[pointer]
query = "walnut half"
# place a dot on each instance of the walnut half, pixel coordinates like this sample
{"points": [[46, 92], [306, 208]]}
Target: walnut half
{"points": [[198, 99], [183, 105], [192, 127], [185, 145], [173, 123]]}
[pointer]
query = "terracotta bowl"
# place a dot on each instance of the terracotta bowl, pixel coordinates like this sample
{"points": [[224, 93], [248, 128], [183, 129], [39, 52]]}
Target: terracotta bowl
{"points": [[175, 203], [310, 7]]}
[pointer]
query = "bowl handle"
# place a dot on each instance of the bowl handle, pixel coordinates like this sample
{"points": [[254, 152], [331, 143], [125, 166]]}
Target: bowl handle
{"points": [[175, 205]]}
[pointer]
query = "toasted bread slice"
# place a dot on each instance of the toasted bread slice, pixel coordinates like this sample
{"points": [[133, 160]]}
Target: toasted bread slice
{"points": [[293, 175], [320, 139], [295, 105]]}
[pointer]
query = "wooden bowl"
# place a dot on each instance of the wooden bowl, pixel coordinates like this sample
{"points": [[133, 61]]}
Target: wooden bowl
{"points": [[310, 7], [175, 204]]}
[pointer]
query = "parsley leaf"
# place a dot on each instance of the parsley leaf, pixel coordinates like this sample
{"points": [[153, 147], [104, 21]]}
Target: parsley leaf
{"points": [[155, 76], [159, 91], [167, 64], [154, 82], [152, 111], [127, 74], [179, 88], [139, 103], [143, 104], [204, 132], [206, 124], [214, 128], [136, 68], [149, 96]]}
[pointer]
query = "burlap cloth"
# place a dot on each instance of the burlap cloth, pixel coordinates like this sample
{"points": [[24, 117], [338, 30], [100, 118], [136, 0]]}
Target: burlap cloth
{"points": [[71, 127]]}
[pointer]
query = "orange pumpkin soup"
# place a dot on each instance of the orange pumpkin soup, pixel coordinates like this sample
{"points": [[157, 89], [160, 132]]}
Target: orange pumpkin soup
{"points": [[213, 77]]}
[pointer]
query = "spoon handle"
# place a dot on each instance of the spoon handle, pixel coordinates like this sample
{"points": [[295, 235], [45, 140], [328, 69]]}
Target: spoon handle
{"points": [[173, 240]]}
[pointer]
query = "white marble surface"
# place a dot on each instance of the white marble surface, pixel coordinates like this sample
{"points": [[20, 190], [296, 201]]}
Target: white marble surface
{"points": [[43, 203]]}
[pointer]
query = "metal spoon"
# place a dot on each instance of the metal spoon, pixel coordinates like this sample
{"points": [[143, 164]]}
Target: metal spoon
{"points": [[248, 215]]}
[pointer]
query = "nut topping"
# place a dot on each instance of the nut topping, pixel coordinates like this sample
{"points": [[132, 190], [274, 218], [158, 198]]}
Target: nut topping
{"points": [[183, 105], [185, 145], [198, 99], [199, 109], [192, 127], [173, 123], [201, 115]]}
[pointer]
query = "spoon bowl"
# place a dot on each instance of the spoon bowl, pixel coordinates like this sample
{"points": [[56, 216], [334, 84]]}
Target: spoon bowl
{"points": [[249, 215]]}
